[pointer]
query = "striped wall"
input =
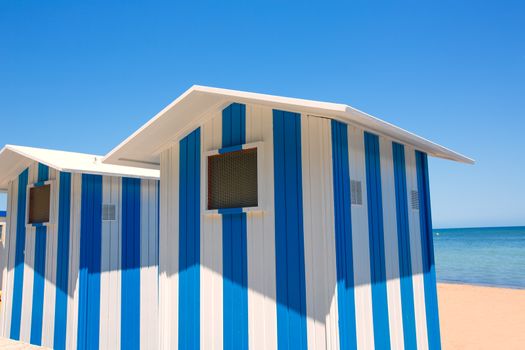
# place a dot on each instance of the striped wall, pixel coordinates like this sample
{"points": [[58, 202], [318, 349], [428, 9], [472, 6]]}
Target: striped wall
{"points": [[82, 282], [306, 269]]}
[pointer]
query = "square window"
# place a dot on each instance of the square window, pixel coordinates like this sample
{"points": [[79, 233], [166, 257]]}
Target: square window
{"points": [[39, 204], [232, 180]]}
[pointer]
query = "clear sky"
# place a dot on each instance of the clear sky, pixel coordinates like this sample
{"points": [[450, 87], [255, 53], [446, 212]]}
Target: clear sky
{"points": [[82, 76]]}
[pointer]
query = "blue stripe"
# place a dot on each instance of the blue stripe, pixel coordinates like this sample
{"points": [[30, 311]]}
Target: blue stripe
{"points": [[64, 212], [234, 125], [403, 244], [289, 235], [343, 237], [189, 241], [376, 242], [427, 246], [18, 283], [130, 262], [234, 249], [90, 263], [43, 173], [230, 211], [3, 213], [231, 148], [37, 309], [235, 281]]}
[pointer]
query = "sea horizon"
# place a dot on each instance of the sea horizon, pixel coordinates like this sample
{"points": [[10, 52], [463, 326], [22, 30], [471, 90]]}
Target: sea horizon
{"points": [[474, 227], [484, 256]]}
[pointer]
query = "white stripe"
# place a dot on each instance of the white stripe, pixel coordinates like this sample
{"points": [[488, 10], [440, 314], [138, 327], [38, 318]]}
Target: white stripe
{"points": [[148, 263], [391, 248], [48, 317], [319, 234], [415, 251], [74, 260], [360, 243], [27, 293], [104, 268], [211, 286], [260, 239], [109, 337], [115, 278], [169, 249], [8, 275]]}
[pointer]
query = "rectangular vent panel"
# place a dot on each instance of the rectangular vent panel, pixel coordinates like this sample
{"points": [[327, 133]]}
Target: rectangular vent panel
{"points": [[414, 200], [356, 192], [108, 212]]}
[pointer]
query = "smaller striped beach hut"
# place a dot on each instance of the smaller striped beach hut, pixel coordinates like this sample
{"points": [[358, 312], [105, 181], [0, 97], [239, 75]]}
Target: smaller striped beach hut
{"points": [[289, 224], [80, 269]]}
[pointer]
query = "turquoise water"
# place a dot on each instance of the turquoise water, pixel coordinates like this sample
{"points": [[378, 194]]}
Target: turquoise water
{"points": [[487, 256]]}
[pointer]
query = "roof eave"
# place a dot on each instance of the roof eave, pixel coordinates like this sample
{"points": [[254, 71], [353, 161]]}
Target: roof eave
{"points": [[126, 152], [404, 136]]}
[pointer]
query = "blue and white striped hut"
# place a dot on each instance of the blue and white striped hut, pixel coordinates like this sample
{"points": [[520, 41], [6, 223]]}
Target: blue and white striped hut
{"points": [[80, 269], [289, 224]]}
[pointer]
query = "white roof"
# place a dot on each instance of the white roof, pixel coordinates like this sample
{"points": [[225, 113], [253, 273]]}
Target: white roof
{"points": [[191, 109], [14, 159]]}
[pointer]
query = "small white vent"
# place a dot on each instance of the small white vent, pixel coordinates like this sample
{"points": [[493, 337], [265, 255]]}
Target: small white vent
{"points": [[356, 192], [108, 212], [414, 200]]}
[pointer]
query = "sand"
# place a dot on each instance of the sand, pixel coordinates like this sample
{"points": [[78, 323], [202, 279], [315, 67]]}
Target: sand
{"points": [[17, 345], [471, 317], [478, 318]]}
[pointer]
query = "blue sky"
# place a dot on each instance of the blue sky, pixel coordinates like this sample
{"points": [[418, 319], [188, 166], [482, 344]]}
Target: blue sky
{"points": [[82, 76]]}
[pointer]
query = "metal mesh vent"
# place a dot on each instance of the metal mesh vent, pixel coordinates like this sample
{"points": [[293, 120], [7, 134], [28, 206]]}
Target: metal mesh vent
{"points": [[414, 199], [356, 194], [2, 233], [108, 212], [232, 180]]}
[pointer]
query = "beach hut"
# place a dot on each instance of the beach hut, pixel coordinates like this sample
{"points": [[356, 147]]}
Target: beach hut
{"points": [[289, 224], [80, 269]]}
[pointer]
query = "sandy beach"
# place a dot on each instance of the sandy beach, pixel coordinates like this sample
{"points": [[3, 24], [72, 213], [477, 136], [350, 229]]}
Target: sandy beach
{"points": [[478, 318], [474, 317]]}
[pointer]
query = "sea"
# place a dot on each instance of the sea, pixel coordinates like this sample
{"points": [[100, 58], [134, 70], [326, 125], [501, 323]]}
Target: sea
{"points": [[490, 256]]}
